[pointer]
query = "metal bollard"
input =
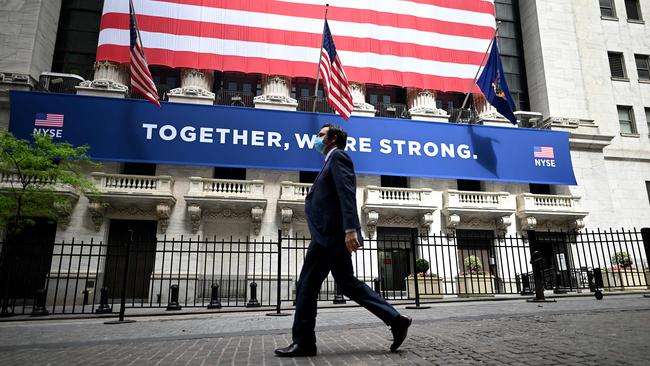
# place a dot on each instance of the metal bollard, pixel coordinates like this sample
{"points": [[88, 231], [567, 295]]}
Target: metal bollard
{"points": [[173, 301], [338, 297], [85, 293], [39, 307], [377, 285], [253, 303], [214, 298], [598, 284], [103, 308]]}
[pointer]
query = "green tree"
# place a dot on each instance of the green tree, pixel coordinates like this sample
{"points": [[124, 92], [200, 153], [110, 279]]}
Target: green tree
{"points": [[30, 172]]}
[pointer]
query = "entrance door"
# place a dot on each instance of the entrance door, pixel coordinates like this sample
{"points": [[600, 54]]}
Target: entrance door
{"points": [[394, 257], [556, 262], [141, 258], [27, 256]]}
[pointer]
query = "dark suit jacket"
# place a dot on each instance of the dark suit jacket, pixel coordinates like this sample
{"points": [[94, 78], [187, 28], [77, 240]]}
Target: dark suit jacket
{"points": [[331, 204]]}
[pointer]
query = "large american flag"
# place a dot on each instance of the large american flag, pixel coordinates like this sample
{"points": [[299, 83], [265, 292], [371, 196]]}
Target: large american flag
{"points": [[430, 44], [334, 80], [141, 80]]}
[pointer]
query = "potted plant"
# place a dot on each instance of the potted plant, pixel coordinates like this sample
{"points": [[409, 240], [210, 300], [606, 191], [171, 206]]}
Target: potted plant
{"points": [[473, 281], [428, 283], [622, 275]]}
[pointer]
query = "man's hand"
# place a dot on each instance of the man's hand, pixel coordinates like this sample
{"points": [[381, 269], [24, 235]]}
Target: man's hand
{"points": [[351, 241]]}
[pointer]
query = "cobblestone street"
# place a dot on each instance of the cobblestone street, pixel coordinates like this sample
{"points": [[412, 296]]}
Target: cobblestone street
{"points": [[573, 331]]}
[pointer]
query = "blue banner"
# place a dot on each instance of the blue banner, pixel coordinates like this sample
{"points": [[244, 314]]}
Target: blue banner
{"points": [[185, 134]]}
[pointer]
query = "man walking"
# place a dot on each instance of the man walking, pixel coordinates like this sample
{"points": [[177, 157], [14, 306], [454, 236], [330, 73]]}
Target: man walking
{"points": [[331, 210]]}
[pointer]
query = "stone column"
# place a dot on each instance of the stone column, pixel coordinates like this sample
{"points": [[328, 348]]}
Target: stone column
{"points": [[196, 86], [110, 80], [487, 114], [361, 108], [276, 94], [422, 106]]}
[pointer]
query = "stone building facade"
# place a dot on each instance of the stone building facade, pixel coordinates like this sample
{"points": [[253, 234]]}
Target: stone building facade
{"points": [[569, 88]]}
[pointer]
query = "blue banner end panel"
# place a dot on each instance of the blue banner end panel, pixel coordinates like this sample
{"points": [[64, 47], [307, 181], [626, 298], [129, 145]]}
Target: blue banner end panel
{"points": [[187, 134]]}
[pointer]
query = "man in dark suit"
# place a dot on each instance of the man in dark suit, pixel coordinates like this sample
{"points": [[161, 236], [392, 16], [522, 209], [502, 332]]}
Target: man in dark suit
{"points": [[331, 210]]}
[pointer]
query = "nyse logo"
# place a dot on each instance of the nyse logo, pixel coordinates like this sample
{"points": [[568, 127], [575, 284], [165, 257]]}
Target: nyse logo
{"points": [[49, 124], [544, 156]]}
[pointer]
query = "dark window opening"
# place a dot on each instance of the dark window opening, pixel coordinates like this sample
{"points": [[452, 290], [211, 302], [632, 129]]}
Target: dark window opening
{"points": [[607, 8], [540, 188], [626, 119], [510, 44], [647, 188], [308, 177], [617, 65], [642, 66], [229, 173], [468, 185], [76, 39], [139, 169], [394, 181], [632, 9]]}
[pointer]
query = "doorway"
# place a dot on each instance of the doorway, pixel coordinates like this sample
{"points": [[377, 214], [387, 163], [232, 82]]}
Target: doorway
{"points": [[27, 257], [142, 235], [394, 246], [556, 263]]}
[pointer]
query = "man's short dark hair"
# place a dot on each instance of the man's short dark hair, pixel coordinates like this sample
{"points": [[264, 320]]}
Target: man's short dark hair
{"points": [[341, 136]]}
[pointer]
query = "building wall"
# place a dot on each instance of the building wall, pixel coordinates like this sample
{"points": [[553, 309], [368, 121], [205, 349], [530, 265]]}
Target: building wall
{"points": [[27, 35]]}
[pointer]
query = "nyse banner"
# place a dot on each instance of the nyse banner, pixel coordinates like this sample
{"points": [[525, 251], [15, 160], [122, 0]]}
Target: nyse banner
{"points": [[130, 130]]}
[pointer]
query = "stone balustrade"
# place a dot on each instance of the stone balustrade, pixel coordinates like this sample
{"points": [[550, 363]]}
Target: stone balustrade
{"points": [[478, 200], [290, 191], [536, 209], [231, 188], [398, 196], [133, 184]]}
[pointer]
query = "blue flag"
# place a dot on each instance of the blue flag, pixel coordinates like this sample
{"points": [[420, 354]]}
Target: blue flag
{"points": [[492, 83]]}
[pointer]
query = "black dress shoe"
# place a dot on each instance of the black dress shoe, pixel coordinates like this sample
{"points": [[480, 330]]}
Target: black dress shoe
{"points": [[295, 350], [400, 328]]}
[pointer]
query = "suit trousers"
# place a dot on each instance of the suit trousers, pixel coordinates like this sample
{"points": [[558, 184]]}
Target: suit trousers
{"points": [[319, 261]]}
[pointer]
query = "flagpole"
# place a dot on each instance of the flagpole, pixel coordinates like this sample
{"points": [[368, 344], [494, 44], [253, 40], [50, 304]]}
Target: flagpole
{"points": [[319, 56], [471, 88]]}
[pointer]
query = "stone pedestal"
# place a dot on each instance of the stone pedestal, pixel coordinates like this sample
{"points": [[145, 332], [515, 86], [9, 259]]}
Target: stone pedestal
{"points": [[196, 86], [361, 108], [276, 94], [110, 80], [422, 106]]}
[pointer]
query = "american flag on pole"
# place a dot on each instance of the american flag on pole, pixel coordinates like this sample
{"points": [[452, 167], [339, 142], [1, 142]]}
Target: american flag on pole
{"points": [[141, 80], [48, 120], [543, 152], [334, 80], [427, 44]]}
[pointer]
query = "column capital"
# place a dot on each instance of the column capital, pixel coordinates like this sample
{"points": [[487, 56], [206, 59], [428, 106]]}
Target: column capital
{"points": [[360, 107], [422, 106], [487, 114], [276, 94], [196, 86], [110, 80]]}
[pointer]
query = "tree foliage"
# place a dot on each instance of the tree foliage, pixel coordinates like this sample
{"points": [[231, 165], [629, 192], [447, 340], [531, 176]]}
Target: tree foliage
{"points": [[31, 172]]}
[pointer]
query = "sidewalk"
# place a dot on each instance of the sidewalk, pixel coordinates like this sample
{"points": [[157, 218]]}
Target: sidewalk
{"points": [[576, 331]]}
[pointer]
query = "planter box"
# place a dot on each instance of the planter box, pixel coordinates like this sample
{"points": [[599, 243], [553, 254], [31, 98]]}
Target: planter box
{"points": [[475, 285], [428, 287], [622, 280]]}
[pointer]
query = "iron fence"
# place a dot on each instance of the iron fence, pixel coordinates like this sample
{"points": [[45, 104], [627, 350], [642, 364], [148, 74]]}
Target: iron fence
{"points": [[149, 273]]}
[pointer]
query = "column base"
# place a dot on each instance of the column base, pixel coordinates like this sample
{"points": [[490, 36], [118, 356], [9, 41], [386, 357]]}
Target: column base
{"points": [[277, 102]]}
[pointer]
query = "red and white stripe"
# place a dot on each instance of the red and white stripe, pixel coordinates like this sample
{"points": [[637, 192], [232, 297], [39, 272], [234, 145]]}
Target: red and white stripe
{"points": [[141, 79], [431, 44]]}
